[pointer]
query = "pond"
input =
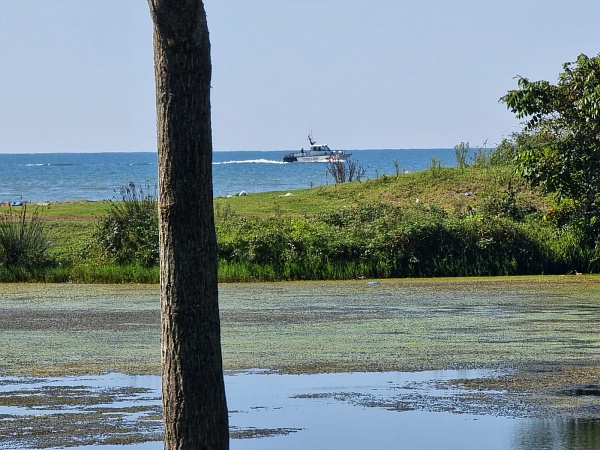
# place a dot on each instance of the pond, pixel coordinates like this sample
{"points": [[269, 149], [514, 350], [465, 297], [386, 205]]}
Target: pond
{"points": [[378, 356], [379, 410]]}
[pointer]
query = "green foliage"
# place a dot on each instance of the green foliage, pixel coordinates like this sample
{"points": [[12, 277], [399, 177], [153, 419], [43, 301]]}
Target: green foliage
{"points": [[504, 155], [382, 241], [559, 148], [129, 232], [24, 239], [436, 164], [378, 240], [509, 204], [373, 229], [461, 151]]}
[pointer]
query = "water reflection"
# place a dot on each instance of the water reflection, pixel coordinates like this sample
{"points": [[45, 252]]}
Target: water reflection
{"points": [[566, 434], [417, 411]]}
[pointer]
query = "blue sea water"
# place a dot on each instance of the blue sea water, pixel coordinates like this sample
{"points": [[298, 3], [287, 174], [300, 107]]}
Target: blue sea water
{"points": [[54, 177]]}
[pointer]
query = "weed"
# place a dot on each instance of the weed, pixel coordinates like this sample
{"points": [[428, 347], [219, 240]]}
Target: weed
{"points": [[24, 240], [461, 151]]}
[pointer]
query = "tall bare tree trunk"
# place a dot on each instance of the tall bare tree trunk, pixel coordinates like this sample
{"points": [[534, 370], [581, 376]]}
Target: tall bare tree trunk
{"points": [[194, 406]]}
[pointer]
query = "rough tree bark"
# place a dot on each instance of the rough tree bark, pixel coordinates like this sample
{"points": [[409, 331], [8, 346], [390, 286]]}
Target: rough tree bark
{"points": [[194, 406]]}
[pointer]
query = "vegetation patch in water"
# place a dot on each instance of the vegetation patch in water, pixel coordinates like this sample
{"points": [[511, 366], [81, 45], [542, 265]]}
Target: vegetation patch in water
{"points": [[75, 415]]}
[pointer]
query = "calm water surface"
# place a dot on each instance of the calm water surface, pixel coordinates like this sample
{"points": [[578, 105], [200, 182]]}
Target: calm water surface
{"points": [[338, 411]]}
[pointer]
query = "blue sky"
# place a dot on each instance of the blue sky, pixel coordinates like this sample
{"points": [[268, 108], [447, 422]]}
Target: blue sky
{"points": [[77, 75]]}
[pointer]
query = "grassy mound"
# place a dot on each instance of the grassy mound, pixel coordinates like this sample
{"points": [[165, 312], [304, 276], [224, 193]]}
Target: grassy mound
{"points": [[467, 221]]}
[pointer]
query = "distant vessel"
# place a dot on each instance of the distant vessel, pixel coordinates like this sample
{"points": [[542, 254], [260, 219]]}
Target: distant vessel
{"points": [[317, 153]]}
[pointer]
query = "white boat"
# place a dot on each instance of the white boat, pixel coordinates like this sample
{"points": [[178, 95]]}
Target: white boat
{"points": [[317, 153]]}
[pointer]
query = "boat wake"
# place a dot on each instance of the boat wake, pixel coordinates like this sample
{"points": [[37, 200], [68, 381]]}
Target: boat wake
{"points": [[49, 164], [249, 161]]}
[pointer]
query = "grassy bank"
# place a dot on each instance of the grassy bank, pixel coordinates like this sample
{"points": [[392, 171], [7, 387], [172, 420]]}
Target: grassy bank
{"points": [[473, 221]]}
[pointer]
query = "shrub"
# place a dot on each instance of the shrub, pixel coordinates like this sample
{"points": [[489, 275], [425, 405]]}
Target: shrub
{"points": [[129, 232], [504, 155], [507, 204], [344, 171], [24, 241], [461, 151]]}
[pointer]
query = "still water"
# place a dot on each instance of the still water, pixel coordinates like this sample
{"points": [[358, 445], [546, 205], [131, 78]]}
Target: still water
{"points": [[389, 410]]}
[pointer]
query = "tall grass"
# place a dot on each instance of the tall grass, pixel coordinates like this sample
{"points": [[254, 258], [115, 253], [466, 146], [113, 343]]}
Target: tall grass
{"points": [[461, 151], [24, 239]]}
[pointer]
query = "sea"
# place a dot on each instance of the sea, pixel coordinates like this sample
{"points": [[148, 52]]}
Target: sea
{"points": [[61, 177]]}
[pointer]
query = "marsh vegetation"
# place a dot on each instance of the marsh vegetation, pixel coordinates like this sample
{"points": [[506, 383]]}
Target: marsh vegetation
{"points": [[473, 220]]}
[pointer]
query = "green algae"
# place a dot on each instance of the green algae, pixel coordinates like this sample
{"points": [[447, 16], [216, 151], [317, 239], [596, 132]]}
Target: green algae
{"points": [[412, 324], [309, 327]]}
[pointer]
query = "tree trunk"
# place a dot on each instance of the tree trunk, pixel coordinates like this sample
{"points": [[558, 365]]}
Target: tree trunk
{"points": [[194, 406]]}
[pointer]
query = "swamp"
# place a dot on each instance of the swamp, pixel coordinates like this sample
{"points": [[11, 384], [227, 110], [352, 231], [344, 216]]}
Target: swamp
{"points": [[410, 363]]}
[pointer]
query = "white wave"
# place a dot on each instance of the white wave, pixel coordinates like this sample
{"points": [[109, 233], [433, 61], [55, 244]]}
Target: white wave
{"points": [[250, 161], [48, 164]]}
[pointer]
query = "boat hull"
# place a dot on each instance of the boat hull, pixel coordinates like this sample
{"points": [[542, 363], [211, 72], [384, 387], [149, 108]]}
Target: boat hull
{"points": [[315, 159], [320, 153]]}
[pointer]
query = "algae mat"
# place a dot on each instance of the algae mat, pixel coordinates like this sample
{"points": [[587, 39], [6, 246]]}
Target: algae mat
{"points": [[404, 325]]}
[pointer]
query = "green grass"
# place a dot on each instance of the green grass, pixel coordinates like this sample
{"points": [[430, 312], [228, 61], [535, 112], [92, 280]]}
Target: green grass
{"points": [[84, 211], [444, 187], [438, 222]]}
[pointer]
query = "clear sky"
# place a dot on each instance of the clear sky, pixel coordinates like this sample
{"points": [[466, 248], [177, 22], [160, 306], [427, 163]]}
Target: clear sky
{"points": [[77, 75]]}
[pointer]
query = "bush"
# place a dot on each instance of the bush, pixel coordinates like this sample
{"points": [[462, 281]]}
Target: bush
{"points": [[344, 171], [24, 241], [509, 204], [129, 232], [381, 241]]}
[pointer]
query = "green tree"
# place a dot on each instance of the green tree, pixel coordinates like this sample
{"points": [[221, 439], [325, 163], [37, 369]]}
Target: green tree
{"points": [[559, 149]]}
